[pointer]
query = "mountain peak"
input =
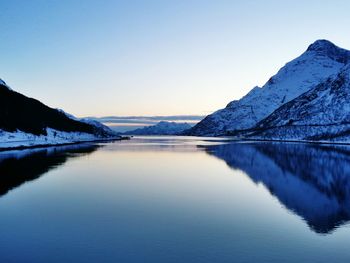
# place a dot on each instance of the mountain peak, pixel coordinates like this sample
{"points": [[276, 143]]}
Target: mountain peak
{"points": [[321, 44], [327, 48]]}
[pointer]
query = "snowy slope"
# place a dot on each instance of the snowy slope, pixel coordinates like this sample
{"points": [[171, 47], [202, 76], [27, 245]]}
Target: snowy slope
{"points": [[323, 113], [321, 60], [161, 128], [53, 137]]}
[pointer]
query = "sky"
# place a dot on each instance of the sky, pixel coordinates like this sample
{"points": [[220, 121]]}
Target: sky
{"points": [[133, 57]]}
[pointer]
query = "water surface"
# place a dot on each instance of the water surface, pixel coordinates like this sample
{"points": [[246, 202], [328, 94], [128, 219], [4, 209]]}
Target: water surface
{"points": [[175, 199]]}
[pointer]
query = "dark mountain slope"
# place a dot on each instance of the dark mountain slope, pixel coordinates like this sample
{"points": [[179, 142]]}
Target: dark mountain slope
{"points": [[19, 112]]}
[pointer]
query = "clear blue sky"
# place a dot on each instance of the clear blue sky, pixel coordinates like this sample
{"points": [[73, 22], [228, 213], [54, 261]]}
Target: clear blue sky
{"points": [[156, 57]]}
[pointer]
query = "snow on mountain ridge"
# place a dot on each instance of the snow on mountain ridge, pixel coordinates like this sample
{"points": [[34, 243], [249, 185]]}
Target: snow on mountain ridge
{"points": [[320, 61], [3, 84], [90, 121]]}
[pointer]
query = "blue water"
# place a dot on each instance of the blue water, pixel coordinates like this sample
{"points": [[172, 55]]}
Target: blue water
{"points": [[176, 199]]}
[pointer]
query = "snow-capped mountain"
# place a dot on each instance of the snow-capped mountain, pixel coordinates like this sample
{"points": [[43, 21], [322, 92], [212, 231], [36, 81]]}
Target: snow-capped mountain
{"points": [[321, 60], [322, 113], [161, 128], [28, 122]]}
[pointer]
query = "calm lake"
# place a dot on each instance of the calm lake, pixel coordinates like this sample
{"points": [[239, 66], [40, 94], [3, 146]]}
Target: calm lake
{"points": [[176, 199]]}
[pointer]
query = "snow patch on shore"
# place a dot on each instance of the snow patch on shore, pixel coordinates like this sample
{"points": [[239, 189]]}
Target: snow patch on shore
{"points": [[53, 137]]}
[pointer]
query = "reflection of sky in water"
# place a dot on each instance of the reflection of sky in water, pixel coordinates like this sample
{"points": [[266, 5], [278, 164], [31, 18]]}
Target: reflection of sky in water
{"points": [[134, 201]]}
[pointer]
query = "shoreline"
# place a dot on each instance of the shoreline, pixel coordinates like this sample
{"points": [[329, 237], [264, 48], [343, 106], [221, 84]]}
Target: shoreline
{"points": [[22, 147], [235, 139], [292, 141]]}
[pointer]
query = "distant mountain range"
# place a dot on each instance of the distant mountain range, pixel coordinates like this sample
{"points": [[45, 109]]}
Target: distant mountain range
{"points": [[124, 124], [28, 122], [148, 119], [306, 100], [161, 128]]}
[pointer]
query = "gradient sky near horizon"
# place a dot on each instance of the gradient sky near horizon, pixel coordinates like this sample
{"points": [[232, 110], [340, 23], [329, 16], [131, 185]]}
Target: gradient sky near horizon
{"points": [[129, 57]]}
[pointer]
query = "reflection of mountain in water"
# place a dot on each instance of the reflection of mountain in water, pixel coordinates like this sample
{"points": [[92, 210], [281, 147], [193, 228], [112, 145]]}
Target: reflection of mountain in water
{"points": [[311, 180], [18, 167]]}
